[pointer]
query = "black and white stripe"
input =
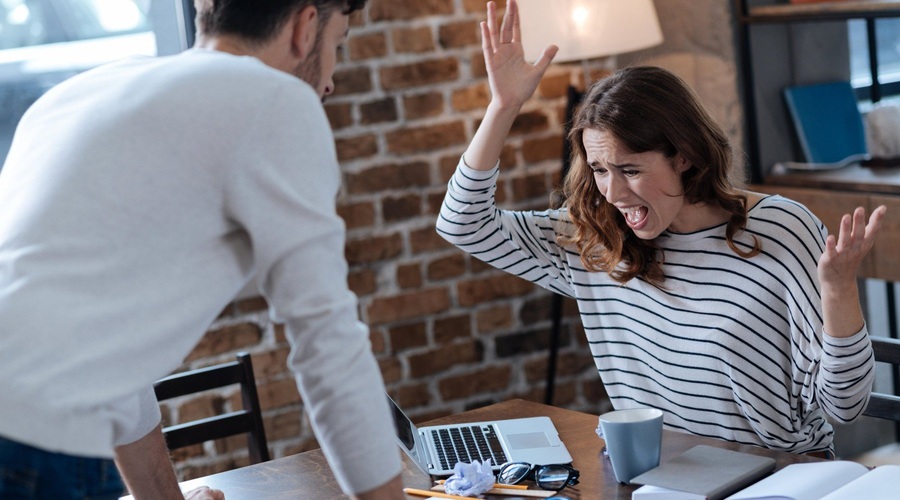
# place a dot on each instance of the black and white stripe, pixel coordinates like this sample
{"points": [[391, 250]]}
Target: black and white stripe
{"points": [[731, 348]]}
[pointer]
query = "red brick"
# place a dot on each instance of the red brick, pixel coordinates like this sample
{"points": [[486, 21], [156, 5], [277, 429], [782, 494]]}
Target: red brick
{"points": [[373, 249], [420, 73], [393, 10], [533, 185], [433, 203], [423, 105], [493, 379], [225, 339], [416, 39], [282, 425], [444, 358], [278, 393], [529, 122], [409, 275], [357, 215], [413, 396], [455, 327], [481, 5], [476, 66], [426, 239], [447, 267], [376, 338], [390, 176], [198, 407], [339, 115], [362, 282], [547, 148], [429, 138], [478, 266], [459, 34], [494, 318], [368, 46], [271, 363], [398, 208], [379, 111], [408, 336], [391, 370], [408, 305], [554, 85], [352, 148], [352, 81], [483, 290], [472, 97]]}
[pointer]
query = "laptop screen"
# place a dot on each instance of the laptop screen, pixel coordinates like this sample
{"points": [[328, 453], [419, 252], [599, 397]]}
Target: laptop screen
{"points": [[404, 426]]}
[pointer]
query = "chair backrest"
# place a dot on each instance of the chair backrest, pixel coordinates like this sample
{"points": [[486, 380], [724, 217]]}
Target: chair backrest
{"points": [[887, 406], [247, 420]]}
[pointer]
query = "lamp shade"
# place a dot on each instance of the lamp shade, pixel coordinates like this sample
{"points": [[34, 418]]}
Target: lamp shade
{"points": [[584, 29]]}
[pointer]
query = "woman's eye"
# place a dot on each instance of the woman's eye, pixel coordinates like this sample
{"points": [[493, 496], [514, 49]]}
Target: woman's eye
{"points": [[599, 171], [629, 173]]}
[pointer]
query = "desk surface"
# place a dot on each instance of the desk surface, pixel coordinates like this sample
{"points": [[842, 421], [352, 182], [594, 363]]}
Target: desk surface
{"points": [[307, 475]]}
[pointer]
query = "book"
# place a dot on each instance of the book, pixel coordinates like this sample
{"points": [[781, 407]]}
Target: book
{"points": [[838, 480], [827, 121], [702, 473]]}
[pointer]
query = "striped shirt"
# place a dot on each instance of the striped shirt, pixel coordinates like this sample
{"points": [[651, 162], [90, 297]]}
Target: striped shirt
{"points": [[730, 348]]}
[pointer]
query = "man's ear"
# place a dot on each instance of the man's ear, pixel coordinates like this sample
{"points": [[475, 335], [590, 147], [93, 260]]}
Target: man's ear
{"points": [[304, 25]]}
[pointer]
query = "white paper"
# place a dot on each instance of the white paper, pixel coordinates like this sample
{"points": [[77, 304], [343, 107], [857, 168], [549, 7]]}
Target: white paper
{"points": [[883, 482], [803, 481], [648, 492]]}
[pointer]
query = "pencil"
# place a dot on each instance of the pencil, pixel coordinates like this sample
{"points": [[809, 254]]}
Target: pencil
{"points": [[498, 485], [429, 493]]}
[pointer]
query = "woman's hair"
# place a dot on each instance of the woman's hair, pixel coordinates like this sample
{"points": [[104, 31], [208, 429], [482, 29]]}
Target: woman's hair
{"points": [[647, 109], [259, 20]]}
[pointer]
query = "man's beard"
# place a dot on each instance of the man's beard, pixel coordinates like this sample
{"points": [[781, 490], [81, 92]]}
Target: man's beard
{"points": [[310, 70]]}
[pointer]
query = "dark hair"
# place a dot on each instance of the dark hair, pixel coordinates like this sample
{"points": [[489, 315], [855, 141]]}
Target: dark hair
{"points": [[259, 20], [647, 109]]}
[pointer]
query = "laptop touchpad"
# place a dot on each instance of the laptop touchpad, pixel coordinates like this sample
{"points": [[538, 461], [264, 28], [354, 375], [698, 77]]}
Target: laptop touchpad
{"points": [[527, 440]]}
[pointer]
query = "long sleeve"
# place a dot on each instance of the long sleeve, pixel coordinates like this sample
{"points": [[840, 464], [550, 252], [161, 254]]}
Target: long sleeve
{"points": [[285, 200], [520, 243]]}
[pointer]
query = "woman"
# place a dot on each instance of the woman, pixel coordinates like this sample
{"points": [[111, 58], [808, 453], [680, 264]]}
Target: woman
{"points": [[732, 311]]}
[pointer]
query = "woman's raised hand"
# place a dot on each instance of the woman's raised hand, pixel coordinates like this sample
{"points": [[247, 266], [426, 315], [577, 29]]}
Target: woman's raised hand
{"points": [[512, 79]]}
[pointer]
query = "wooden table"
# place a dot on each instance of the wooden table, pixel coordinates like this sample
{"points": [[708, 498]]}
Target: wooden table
{"points": [[307, 475]]}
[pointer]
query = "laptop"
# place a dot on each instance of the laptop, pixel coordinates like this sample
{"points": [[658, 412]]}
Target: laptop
{"points": [[437, 449]]}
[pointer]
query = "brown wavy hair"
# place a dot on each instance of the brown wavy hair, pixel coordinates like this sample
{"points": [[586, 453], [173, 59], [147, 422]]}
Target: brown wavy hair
{"points": [[647, 109]]}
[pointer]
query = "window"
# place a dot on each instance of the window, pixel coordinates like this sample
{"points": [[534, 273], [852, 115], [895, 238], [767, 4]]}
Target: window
{"points": [[887, 32], [43, 42]]}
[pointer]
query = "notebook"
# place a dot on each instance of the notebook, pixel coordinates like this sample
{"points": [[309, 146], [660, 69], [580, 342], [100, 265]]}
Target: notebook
{"points": [[828, 123], [436, 449], [703, 472]]}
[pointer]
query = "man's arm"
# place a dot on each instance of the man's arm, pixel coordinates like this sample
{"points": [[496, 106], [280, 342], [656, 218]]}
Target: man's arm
{"points": [[147, 471]]}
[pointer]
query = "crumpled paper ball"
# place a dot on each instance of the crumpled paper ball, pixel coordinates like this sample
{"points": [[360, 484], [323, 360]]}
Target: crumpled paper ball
{"points": [[470, 479]]}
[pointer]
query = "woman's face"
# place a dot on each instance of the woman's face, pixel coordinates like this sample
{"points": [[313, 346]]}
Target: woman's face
{"points": [[645, 187]]}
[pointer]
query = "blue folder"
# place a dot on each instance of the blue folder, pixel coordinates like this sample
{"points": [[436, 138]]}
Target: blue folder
{"points": [[827, 120]]}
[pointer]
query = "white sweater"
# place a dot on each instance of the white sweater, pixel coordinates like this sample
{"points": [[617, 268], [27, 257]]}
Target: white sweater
{"points": [[136, 201], [731, 348]]}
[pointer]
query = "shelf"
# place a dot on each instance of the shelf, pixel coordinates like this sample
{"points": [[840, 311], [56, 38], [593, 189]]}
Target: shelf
{"points": [[822, 11]]}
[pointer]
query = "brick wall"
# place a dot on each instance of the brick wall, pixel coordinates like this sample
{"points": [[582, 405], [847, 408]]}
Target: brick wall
{"points": [[450, 333]]}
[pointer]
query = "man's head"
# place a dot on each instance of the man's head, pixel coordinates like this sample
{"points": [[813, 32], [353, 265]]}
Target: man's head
{"points": [[300, 37]]}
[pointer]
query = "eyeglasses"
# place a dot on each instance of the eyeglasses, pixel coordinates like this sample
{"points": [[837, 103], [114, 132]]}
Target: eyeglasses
{"points": [[548, 477]]}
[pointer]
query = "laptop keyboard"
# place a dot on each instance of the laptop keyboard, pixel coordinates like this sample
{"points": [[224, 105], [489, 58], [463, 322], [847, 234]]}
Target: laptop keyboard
{"points": [[465, 444]]}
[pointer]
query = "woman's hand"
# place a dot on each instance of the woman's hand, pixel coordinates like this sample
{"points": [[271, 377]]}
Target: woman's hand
{"points": [[843, 254], [838, 267], [512, 79]]}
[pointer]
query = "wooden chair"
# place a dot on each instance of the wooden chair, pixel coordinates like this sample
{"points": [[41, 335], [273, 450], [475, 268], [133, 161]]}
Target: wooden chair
{"points": [[245, 421]]}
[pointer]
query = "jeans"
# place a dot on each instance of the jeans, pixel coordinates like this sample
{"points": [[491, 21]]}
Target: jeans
{"points": [[31, 473]]}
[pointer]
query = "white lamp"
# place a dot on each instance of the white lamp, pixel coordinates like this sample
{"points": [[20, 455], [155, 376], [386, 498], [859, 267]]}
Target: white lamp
{"points": [[584, 29]]}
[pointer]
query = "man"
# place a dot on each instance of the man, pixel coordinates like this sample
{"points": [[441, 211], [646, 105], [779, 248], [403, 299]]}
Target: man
{"points": [[137, 200]]}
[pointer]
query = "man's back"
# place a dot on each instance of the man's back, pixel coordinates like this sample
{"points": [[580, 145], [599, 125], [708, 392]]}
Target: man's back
{"points": [[121, 201]]}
